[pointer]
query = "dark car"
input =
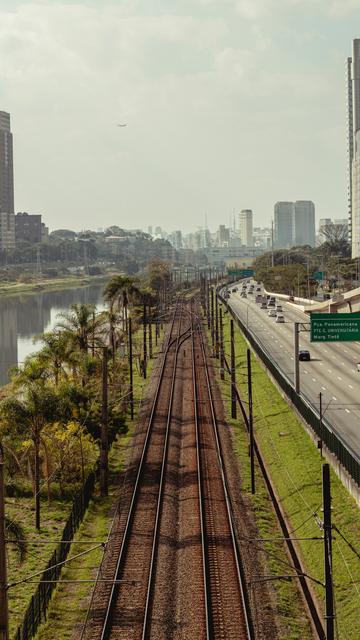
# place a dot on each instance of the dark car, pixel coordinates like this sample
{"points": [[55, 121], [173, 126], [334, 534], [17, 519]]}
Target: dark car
{"points": [[304, 354]]}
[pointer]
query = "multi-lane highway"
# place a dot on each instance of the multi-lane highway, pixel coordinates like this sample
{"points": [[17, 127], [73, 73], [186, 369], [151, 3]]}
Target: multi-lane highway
{"points": [[332, 369]]}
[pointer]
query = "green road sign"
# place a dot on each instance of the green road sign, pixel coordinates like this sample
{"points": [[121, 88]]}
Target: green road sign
{"points": [[318, 275], [335, 327], [241, 273]]}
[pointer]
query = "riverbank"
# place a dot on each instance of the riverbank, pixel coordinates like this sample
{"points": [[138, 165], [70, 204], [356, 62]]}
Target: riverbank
{"points": [[51, 284]]}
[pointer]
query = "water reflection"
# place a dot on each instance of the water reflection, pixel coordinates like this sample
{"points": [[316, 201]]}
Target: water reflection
{"points": [[26, 316]]}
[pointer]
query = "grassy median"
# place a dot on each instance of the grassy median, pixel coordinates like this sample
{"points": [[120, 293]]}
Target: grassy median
{"points": [[294, 464]]}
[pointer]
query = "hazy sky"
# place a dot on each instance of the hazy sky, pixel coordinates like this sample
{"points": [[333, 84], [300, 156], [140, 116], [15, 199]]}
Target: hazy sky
{"points": [[230, 104]]}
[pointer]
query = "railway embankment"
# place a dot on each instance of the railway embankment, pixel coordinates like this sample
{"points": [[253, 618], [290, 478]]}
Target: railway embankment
{"points": [[294, 465]]}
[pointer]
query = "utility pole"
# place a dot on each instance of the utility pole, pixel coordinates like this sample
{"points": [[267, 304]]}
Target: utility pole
{"points": [[144, 341], [251, 423], [320, 443], [216, 325], [208, 304], [272, 243], [131, 393], [212, 320], [296, 358], [232, 366], [4, 611], [222, 358], [104, 427], [329, 592], [150, 335]]}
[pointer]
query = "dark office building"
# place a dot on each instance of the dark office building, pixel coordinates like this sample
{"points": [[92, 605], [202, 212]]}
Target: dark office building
{"points": [[28, 227]]}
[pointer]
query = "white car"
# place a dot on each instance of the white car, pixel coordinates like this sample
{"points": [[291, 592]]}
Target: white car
{"points": [[279, 308], [272, 313], [280, 318]]}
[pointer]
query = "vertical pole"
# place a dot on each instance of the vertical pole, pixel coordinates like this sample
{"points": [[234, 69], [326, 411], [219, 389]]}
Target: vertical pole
{"points": [[212, 319], [144, 341], [233, 377], [329, 594], [208, 304], [150, 335], [131, 393], [216, 324], [320, 425], [251, 423], [222, 363], [296, 358], [104, 427], [4, 612]]}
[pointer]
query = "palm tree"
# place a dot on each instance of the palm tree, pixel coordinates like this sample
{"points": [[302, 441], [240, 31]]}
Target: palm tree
{"points": [[80, 327], [55, 354], [29, 411], [121, 289]]}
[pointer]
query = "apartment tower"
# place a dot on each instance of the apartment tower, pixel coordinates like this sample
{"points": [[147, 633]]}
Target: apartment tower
{"points": [[283, 223], [7, 218], [353, 92], [246, 227]]}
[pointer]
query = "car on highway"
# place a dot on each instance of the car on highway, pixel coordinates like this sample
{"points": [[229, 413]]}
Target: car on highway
{"points": [[271, 303], [280, 317], [243, 294], [263, 305], [304, 355], [258, 288], [272, 313], [279, 308], [234, 290], [259, 298]]}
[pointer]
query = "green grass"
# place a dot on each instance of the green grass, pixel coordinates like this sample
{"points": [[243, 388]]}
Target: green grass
{"points": [[53, 518], [294, 464], [63, 282]]}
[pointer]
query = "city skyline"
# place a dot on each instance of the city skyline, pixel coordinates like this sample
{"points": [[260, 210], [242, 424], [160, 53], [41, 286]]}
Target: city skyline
{"points": [[206, 116]]}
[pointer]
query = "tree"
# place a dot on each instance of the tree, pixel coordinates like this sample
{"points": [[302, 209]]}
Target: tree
{"points": [[80, 327], [29, 411], [120, 290]]}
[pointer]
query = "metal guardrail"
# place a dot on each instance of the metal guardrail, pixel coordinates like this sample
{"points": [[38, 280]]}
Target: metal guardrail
{"points": [[325, 431], [37, 609]]}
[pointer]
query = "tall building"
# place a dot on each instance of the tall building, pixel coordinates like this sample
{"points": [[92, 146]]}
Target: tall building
{"points": [[246, 227], [304, 223], [283, 222], [28, 228], [353, 92], [7, 223]]}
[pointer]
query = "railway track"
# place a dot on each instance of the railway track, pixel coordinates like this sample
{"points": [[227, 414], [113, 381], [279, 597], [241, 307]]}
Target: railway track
{"points": [[172, 556]]}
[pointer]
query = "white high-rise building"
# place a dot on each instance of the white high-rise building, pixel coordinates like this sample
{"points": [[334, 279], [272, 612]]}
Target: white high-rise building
{"points": [[246, 227], [304, 223], [7, 218], [283, 224], [353, 65]]}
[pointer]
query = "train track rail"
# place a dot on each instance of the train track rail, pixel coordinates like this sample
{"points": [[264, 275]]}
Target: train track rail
{"points": [[128, 601]]}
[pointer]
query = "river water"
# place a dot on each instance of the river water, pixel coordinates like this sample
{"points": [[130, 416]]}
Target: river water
{"points": [[25, 316]]}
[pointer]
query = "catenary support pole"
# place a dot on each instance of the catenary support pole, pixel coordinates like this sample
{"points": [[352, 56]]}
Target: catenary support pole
{"points": [[216, 324], [4, 612], [321, 424], [131, 375], [104, 427], [222, 358], [144, 341], [150, 335], [329, 593], [212, 320], [251, 423], [296, 358], [232, 366]]}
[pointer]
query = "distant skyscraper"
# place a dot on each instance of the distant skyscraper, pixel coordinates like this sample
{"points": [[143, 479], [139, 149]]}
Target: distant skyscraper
{"points": [[7, 219], [283, 219], [246, 227], [304, 223], [353, 76]]}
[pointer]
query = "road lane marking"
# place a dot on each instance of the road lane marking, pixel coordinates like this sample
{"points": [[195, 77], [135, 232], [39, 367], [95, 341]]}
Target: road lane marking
{"points": [[338, 377], [347, 410], [350, 386], [313, 379], [334, 398], [323, 388], [329, 370]]}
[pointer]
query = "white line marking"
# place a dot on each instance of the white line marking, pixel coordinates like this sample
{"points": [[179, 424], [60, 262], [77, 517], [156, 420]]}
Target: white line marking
{"points": [[329, 370], [324, 388], [334, 398], [338, 377], [350, 386], [313, 379], [347, 410]]}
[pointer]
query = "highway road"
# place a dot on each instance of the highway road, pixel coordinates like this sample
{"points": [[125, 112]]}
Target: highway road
{"points": [[332, 369]]}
